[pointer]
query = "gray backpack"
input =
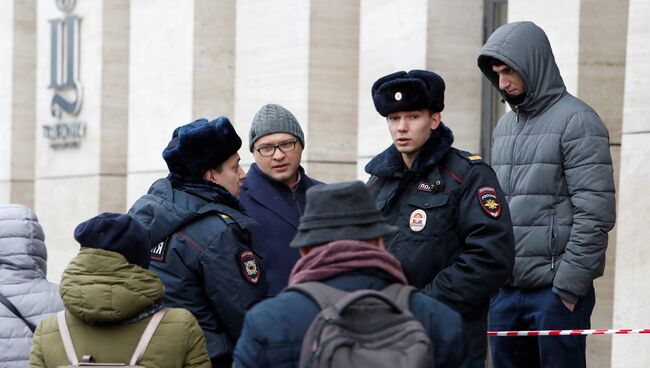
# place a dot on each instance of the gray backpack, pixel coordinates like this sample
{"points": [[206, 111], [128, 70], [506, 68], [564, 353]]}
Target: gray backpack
{"points": [[364, 328]]}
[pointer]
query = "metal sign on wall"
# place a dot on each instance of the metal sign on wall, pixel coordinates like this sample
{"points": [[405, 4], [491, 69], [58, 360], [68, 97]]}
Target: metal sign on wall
{"points": [[66, 102]]}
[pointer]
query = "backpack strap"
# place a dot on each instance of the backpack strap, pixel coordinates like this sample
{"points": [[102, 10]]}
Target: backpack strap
{"points": [[401, 295], [323, 295], [7, 303], [146, 336], [66, 339], [148, 333]]}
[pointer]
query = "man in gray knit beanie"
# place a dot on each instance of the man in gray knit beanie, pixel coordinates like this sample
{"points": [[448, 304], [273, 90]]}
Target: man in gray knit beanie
{"points": [[274, 191]]}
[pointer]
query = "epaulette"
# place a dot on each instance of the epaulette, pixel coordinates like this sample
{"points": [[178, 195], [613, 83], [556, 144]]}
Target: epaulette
{"points": [[241, 232], [472, 158]]}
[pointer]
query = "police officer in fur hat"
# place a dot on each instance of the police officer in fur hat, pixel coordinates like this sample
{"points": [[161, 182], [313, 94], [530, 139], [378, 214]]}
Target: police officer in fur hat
{"points": [[199, 236], [454, 238]]}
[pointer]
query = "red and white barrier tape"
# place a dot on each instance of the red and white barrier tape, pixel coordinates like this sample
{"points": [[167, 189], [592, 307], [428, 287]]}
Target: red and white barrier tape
{"points": [[569, 332]]}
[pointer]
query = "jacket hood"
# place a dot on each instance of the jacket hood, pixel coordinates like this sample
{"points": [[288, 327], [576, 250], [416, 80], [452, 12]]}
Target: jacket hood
{"points": [[167, 207], [524, 47], [390, 160], [23, 254], [101, 286]]}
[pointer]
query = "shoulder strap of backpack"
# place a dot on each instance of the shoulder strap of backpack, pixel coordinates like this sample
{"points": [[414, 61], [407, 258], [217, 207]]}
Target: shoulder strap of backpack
{"points": [[322, 294], [146, 336], [70, 352], [401, 295], [7, 303], [66, 339]]}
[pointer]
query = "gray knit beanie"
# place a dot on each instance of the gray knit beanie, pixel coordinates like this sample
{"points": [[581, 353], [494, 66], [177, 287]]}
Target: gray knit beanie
{"points": [[271, 119]]}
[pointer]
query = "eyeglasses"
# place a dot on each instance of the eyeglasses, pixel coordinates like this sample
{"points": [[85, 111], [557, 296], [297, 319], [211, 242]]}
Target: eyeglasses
{"points": [[268, 150]]}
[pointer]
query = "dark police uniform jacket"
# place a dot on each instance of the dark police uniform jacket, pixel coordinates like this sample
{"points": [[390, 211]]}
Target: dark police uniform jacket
{"points": [[201, 253], [455, 239]]}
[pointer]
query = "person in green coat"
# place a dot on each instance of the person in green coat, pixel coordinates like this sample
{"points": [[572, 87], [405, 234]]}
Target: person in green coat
{"points": [[110, 297]]}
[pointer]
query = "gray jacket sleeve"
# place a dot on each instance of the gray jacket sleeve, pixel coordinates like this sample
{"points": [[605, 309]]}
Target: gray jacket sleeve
{"points": [[590, 181]]}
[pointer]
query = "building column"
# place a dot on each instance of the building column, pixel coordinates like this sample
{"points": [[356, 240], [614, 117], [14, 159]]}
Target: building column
{"points": [[80, 145], [632, 291], [309, 66], [601, 80], [437, 35], [181, 69], [17, 101], [454, 38]]}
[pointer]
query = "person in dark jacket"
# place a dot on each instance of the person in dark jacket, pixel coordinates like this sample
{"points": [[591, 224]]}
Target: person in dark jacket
{"points": [[274, 190], [551, 155], [340, 239], [454, 237], [199, 237]]}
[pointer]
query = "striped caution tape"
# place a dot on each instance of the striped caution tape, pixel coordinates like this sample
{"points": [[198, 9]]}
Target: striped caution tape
{"points": [[569, 332]]}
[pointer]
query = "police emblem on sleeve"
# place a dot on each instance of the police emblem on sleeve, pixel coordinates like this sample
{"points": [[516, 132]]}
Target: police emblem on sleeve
{"points": [[487, 197], [249, 266]]}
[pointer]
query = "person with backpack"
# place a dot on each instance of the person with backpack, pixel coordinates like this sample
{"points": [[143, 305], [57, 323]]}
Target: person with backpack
{"points": [[345, 275], [200, 243], [26, 297], [110, 299]]}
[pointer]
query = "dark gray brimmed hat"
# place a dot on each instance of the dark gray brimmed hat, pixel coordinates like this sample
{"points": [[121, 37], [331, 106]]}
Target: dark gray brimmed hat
{"points": [[340, 211]]}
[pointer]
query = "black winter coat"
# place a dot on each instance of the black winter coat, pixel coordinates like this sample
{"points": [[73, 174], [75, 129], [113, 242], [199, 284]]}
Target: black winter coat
{"points": [[455, 239], [201, 253], [277, 210]]}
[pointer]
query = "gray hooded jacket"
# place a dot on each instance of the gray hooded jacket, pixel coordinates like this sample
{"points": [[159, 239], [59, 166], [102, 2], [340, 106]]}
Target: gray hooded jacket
{"points": [[22, 281], [551, 155]]}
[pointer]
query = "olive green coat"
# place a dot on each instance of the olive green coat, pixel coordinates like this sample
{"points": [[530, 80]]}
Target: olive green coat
{"points": [[102, 292]]}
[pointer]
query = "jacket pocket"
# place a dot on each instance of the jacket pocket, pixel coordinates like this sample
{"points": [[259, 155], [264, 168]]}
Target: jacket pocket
{"points": [[553, 239], [426, 216]]}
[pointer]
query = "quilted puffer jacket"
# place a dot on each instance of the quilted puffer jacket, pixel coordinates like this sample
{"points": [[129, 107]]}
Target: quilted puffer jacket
{"points": [[22, 280], [551, 155], [108, 304]]}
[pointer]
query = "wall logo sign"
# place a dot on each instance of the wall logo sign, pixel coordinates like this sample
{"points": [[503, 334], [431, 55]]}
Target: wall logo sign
{"points": [[64, 80]]}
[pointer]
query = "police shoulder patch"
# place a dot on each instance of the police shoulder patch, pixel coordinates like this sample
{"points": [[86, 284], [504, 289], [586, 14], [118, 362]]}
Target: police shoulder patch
{"points": [[489, 201], [249, 266]]}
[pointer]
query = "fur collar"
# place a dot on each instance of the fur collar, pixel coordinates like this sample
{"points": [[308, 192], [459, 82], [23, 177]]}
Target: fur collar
{"points": [[390, 160]]}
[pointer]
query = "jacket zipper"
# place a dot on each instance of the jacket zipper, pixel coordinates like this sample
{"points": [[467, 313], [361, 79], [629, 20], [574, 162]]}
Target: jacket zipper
{"points": [[512, 152], [553, 239]]}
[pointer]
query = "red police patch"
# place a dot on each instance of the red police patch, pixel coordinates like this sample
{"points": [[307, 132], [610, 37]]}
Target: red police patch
{"points": [[250, 267], [487, 197]]}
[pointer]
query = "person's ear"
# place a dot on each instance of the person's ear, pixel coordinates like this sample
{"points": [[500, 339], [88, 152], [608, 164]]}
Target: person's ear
{"points": [[435, 120], [304, 250]]}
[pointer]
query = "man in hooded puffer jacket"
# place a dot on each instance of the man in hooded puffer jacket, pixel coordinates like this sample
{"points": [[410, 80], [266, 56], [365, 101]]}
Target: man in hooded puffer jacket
{"points": [[551, 155], [109, 299], [23, 258]]}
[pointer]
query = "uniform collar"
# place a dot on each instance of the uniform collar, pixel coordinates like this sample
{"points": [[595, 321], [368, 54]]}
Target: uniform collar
{"points": [[390, 162]]}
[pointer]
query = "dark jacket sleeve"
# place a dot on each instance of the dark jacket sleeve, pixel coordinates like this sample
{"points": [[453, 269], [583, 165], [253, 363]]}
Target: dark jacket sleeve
{"points": [[590, 180], [229, 291], [445, 328], [249, 351], [487, 258]]}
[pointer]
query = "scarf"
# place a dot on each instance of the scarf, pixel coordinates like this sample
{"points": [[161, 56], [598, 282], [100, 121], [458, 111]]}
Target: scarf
{"points": [[342, 256]]}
